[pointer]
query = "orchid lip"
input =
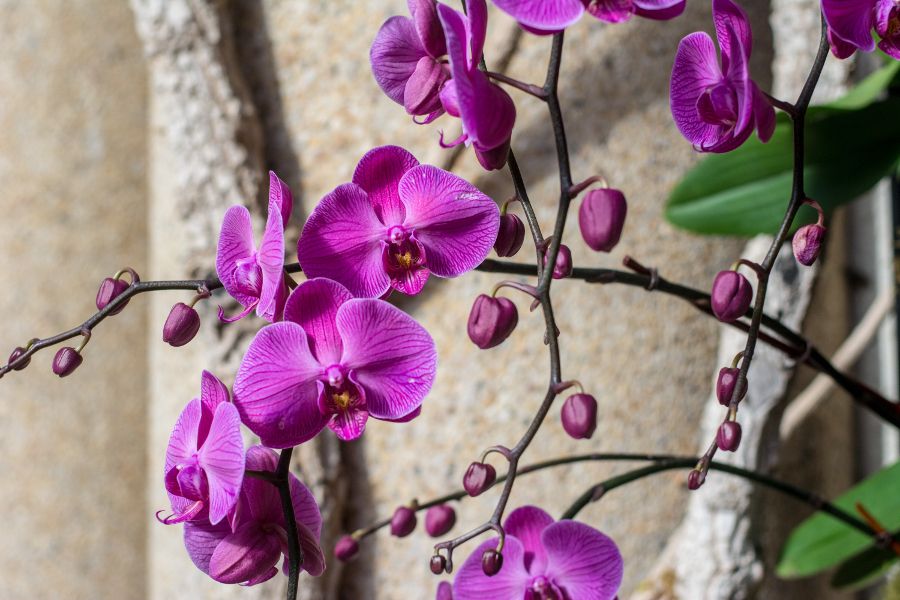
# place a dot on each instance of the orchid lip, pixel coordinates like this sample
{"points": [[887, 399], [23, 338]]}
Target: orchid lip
{"points": [[397, 234], [335, 375]]}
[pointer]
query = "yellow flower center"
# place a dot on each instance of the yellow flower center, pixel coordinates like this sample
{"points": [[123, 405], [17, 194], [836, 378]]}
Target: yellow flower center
{"points": [[342, 400]]}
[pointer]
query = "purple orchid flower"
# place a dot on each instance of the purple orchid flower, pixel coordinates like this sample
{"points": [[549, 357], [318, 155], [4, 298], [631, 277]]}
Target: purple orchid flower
{"points": [[248, 550], [485, 109], [850, 24], [543, 559], [334, 361], [550, 16], [406, 60], [205, 457], [255, 276], [715, 104], [395, 224]]}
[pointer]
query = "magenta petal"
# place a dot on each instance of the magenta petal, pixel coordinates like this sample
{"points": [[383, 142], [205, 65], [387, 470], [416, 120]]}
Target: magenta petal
{"points": [[212, 392], [509, 584], [738, 74], [235, 243], [306, 509], [262, 578], [342, 240], [455, 223], [378, 174], [476, 30], [428, 26], [313, 556], [411, 282], [583, 562], [349, 424], [444, 591], [695, 70], [222, 457], [840, 48], [763, 115], [280, 197], [612, 11], [271, 263], [201, 539], [422, 93], [313, 306], [526, 524], [276, 391], [183, 441], [887, 24], [852, 21], [729, 18], [390, 356], [244, 555], [659, 9], [394, 55], [541, 14]]}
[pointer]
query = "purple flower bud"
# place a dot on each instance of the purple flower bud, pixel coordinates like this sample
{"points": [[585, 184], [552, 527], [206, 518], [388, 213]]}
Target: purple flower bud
{"points": [[563, 266], [579, 416], [478, 477], [728, 377], [444, 591], [510, 236], [19, 351], [491, 321], [346, 548], [439, 520], [66, 360], [181, 326], [695, 480], [807, 243], [729, 436], [731, 296], [601, 218], [438, 564], [109, 289], [403, 522], [491, 562]]}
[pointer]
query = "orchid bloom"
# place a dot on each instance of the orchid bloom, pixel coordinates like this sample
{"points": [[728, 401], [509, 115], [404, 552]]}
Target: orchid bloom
{"points": [[544, 560], [247, 552], [255, 276], [715, 104], [205, 457], [485, 109], [334, 361], [406, 60], [395, 224], [850, 24], [550, 16]]}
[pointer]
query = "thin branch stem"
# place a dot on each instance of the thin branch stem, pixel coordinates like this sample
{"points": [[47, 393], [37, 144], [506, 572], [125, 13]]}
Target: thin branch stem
{"points": [[529, 88], [295, 554]]}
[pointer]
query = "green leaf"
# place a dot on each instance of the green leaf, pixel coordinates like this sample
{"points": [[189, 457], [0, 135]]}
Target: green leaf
{"points": [[868, 90], [745, 192], [864, 568], [822, 541]]}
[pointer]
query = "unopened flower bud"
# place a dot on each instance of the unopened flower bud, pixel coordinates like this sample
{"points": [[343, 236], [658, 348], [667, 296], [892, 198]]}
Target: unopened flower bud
{"points": [[181, 326], [601, 218], [579, 416], [109, 290], [491, 321], [510, 235], [346, 548], [731, 296], [807, 243], [19, 351], [444, 591], [491, 562], [438, 564], [478, 478], [728, 377], [439, 520], [66, 360], [695, 479], [403, 522], [728, 437], [563, 266]]}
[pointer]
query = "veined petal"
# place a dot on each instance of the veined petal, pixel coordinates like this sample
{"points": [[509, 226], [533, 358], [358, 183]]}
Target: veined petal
{"points": [[840, 48], [527, 524], [201, 539], [852, 21], [350, 423], [738, 74], [540, 14], [378, 174], [422, 93], [509, 584], [695, 70], [455, 223], [476, 30], [659, 9], [281, 198], [342, 241], [271, 263], [306, 509], [611, 11], [887, 24], [428, 26], [763, 115], [582, 561], [244, 555], [313, 557], [389, 355], [183, 441], [313, 306], [261, 499], [394, 55], [235, 243], [212, 392], [276, 391], [731, 21], [222, 457]]}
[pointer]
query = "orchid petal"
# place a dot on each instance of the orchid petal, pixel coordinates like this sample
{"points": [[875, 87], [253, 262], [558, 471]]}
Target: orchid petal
{"points": [[235, 243], [738, 74], [763, 115], [349, 424], [422, 93], [394, 55], [476, 30], [378, 174], [887, 24], [840, 48], [281, 198], [526, 524], [852, 21], [695, 70], [424, 16], [222, 458], [272, 572], [212, 392], [659, 9], [313, 556], [183, 441], [509, 584], [201, 539], [313, 306], [731, 21], [612, 11], [543, 15], [306, 509], [244, 555], [271, 263], [583, 562]]}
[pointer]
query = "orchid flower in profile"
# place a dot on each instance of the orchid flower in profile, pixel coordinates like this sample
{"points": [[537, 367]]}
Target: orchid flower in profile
{"points": [[254, 276], [485, 109], [850, 24], [406, 60], [550, 16], [205, 458], [395, 224], [248, 550], [544, 559], [715, 104], [334, 361]]}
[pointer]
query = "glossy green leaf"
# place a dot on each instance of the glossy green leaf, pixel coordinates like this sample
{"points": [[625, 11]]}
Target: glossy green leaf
{"points": [[822, 541], [864, 568]]}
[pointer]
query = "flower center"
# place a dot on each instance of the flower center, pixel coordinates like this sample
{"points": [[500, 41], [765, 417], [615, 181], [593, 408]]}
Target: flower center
{"points": [[334, 375], [542, 588], [718, 105], [397, 234], [248, 276], [404, 256], [341, 399]]}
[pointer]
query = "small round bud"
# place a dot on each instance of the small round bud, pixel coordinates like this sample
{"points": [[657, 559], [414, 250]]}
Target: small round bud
{"points": [[731, 296], [728, 437], [579, 416], [444, 591], [19, 351], [510, 235], [66, 360], [695, 480], [478, 478], [563, 266], [439, 520], [346, 548], [109, 290], [601, 218], [438, 564], [491, 321], [403, 522], [491, 562], [807, 243], [181, 326], [725, 383]]}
